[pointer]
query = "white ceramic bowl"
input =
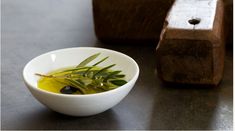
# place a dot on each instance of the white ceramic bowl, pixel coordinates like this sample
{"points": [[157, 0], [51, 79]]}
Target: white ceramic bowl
{"points": [[79, 105]]}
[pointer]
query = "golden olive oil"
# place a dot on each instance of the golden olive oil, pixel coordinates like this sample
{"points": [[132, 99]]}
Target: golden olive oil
{"points": [[55, 85], [82, 79], [50, 84]]}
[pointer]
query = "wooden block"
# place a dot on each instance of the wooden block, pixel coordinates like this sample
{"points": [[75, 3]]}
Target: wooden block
{"points": [[228, 8], [129, 21], [191, 47]]}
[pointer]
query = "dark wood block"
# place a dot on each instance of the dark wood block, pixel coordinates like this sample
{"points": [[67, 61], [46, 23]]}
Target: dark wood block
{"points": [[129, 21], [228, 6], [191, 48]]}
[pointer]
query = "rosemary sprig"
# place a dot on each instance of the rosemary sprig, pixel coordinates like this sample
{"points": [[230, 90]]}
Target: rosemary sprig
{"points": [[89, 79]]}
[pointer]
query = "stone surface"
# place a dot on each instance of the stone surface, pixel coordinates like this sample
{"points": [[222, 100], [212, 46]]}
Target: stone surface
{"points": [[30, 28]]}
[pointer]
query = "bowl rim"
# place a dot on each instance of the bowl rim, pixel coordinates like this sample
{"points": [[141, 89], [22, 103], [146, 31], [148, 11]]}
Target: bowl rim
{"points": [[132, 80]]}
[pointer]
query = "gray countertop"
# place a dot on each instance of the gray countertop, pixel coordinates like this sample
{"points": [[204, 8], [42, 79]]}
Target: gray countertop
{"points": [[30, 28]]}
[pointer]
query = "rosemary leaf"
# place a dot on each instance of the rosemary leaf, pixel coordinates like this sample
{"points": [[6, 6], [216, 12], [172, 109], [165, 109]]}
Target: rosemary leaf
{"points": [[86, 72], [49, 76], [110, 75], [88, 60], [118, 76], [73, 70], [102, 70], [81, 82], [86, 81], [75, 82], [41, 75], [100, 61], [118, 82], [77, 85]]}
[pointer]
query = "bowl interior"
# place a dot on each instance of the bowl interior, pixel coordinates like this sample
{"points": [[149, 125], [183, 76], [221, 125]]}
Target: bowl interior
{"points": [[72, 56]]}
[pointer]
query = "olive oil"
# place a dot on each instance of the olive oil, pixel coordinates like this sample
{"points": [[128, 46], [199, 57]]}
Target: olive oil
{"points": [[82, 79], [50, 84], [55, 81]]}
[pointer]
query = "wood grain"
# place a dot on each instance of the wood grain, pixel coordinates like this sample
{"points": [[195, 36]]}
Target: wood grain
{"points": [[129, 21], [228, 8], [192, 53]]}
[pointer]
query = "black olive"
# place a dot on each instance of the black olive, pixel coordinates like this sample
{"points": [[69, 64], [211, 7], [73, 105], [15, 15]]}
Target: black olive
{"points": [[68, 90]]}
